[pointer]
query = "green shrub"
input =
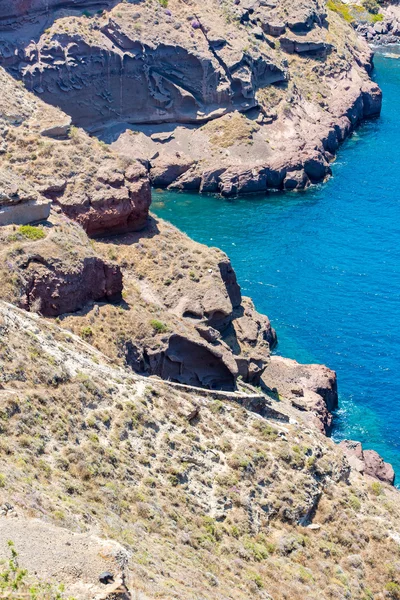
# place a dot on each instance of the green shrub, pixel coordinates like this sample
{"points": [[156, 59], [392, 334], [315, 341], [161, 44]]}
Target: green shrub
{"points": [[158, 326], [377, 18], [355, 503], [86, 333], [376, 488], [393, 590], [341, 8], [31, 232]]}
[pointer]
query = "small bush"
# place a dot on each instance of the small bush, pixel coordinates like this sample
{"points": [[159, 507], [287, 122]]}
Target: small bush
{"points": [[376, 488], [158, 326], [31, 232], [341, 8], [377, 18], [86, 333], [393, 590], [355, 503]]}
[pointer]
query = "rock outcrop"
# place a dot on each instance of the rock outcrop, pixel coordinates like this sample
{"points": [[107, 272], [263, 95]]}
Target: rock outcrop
{"points": [[191, 362], [367, 462], [52, 289], [309, 388], [63, 166], [20, 203], [118, 202]]}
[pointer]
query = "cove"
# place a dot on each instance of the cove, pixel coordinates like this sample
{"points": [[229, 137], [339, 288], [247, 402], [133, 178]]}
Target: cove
{"points": [[324, 265]]}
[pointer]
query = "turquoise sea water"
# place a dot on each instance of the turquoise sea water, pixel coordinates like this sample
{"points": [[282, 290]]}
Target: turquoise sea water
{"points": [[325, 266]]}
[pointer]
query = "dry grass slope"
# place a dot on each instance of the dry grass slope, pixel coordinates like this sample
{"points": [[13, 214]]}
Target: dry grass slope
{"points": [[210, 509]]}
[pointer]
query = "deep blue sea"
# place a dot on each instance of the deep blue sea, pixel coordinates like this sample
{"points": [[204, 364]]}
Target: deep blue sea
{"points": [[325, 266]]}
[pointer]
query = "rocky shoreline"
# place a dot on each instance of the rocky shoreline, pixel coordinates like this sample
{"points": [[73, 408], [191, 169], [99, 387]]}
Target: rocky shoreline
{"points": [[385, 31]]}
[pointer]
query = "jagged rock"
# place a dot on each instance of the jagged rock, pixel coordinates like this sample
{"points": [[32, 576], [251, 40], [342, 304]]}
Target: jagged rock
{"points": [[376, 467], [274, 28], [184, 360], [312, 388], [164, 171], [53, 289], [367, 462], [316, 167], [381, 28], [59, 130], [229, 279], [52, 186], [292, 45], [295, 179], [372, 99], [119, 205]]}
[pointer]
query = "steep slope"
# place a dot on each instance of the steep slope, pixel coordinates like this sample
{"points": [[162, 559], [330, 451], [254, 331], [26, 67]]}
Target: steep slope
{"points": [[223, 505]]}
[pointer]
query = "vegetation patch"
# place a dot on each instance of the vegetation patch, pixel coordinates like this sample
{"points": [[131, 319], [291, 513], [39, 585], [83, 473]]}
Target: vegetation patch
{"points": [[231, 129], [31, 232]]}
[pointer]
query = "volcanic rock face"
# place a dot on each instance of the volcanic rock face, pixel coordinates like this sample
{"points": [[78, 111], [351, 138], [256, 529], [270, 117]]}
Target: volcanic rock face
{"points": [[311, 388], [122, 76], [367, 462], [53, 291], [11, 12], [119, 202], [178, 78], [192, 362]]}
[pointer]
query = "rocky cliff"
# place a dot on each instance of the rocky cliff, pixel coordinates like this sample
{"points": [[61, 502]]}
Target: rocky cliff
{"points": [[150, 444], [233, 97]]}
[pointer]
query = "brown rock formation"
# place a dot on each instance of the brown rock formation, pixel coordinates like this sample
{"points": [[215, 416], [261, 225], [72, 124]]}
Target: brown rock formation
{"points": [[367, 462], [311, 388], [53, 289], [180, 359], [119, 202], [91, 184], [20, 203]]}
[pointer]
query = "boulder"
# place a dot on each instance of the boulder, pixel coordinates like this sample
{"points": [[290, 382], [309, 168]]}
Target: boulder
{"points": [[372, 99], [316, 167], [298, 46], [274, 28], [295, 179], [25, 213], [376, 467], [20, 202], [166, 169]]}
